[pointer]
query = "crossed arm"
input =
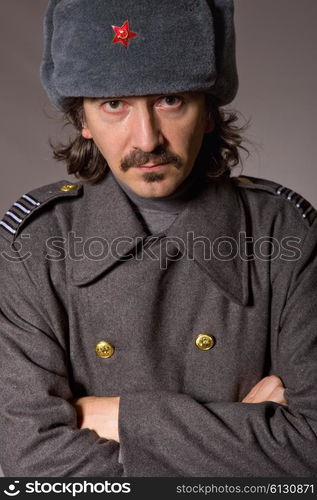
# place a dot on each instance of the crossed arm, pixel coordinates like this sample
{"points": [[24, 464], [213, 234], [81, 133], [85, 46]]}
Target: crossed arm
{"points": [[101, 414]]}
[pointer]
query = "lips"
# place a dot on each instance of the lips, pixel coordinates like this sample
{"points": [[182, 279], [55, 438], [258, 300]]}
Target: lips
{"points": [[151, 167]]}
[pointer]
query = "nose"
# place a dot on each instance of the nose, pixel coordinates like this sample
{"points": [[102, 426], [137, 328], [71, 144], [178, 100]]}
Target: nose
{"points": [[146, 130]]}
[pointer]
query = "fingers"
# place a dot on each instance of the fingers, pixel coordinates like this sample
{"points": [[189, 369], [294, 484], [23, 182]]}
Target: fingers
{"points": [[269, 388]]}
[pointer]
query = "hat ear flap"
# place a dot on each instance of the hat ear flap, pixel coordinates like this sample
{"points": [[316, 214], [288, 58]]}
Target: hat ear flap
{"points": [[227, 82], [47, 66]]}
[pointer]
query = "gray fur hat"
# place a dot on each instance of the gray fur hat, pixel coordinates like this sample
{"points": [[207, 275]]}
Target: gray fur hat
{"points": [[112, 48]]}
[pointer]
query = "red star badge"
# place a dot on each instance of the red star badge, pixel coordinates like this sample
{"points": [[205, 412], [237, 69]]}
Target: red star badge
{"points": [[123, 34]]}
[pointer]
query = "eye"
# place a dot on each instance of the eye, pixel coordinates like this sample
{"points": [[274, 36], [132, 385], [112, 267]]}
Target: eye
{"points": [[114, 105], [170, 101]]}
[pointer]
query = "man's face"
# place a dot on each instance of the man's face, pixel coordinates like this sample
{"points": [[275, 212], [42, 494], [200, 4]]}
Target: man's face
{"points": [[150, 142]]}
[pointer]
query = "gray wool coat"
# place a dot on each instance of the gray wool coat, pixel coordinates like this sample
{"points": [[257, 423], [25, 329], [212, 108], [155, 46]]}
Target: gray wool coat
{"points": [[238, 265]]}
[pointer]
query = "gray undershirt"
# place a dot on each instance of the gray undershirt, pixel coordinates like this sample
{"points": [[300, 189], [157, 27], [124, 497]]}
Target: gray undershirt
{"points": [[159, 213]]}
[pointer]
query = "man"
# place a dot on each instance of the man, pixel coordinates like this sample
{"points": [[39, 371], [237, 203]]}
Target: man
{"points": [[152, 315]]}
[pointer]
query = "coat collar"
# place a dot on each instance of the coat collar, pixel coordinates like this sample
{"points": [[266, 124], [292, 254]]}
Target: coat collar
{"points": [[214, 215]]}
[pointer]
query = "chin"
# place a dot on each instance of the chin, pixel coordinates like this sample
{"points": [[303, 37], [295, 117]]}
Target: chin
{"points": [[156, 188]]}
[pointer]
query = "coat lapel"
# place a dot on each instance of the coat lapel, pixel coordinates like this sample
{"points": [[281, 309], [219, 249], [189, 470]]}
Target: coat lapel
{"points": [[105, 217], [211, 224]]}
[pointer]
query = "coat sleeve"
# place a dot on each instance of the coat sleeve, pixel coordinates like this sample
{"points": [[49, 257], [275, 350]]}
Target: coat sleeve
{"points": [[168, 434], [38, 425]]}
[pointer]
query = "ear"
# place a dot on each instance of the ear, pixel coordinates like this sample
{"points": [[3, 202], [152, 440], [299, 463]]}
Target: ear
{"points": [[85, 132], [210, 124]]}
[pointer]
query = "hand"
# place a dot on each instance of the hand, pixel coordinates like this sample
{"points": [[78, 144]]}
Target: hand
{"points": [[268, 389], [100, 414]]}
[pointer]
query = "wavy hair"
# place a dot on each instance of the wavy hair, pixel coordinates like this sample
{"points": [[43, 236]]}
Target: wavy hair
{"points": [[220, 151]]}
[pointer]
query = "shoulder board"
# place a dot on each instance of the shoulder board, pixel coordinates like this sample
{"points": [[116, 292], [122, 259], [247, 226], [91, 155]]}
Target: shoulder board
{"points": [[30, 203], [306, 210]]}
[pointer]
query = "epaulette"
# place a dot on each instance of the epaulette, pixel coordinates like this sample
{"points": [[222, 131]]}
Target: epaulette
{"points": [[29, 204], [305, 209]]}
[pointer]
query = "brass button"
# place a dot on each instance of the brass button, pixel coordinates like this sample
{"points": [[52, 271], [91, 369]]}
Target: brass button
{"points": [[68, 187], [104, 349], [204, 342]]}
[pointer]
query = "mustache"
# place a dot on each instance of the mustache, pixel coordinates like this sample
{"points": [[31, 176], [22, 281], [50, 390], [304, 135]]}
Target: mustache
{"points": [[159, 155]]}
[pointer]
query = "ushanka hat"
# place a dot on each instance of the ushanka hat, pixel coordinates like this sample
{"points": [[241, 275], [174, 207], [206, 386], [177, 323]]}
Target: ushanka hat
{"points": [[112, 48]]}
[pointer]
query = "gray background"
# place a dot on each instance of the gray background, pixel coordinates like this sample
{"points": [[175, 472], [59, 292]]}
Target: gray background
{"points": [[276, 52]]}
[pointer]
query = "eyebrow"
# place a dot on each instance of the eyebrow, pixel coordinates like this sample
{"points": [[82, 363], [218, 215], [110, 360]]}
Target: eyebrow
{"points": [[118, 98]]}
